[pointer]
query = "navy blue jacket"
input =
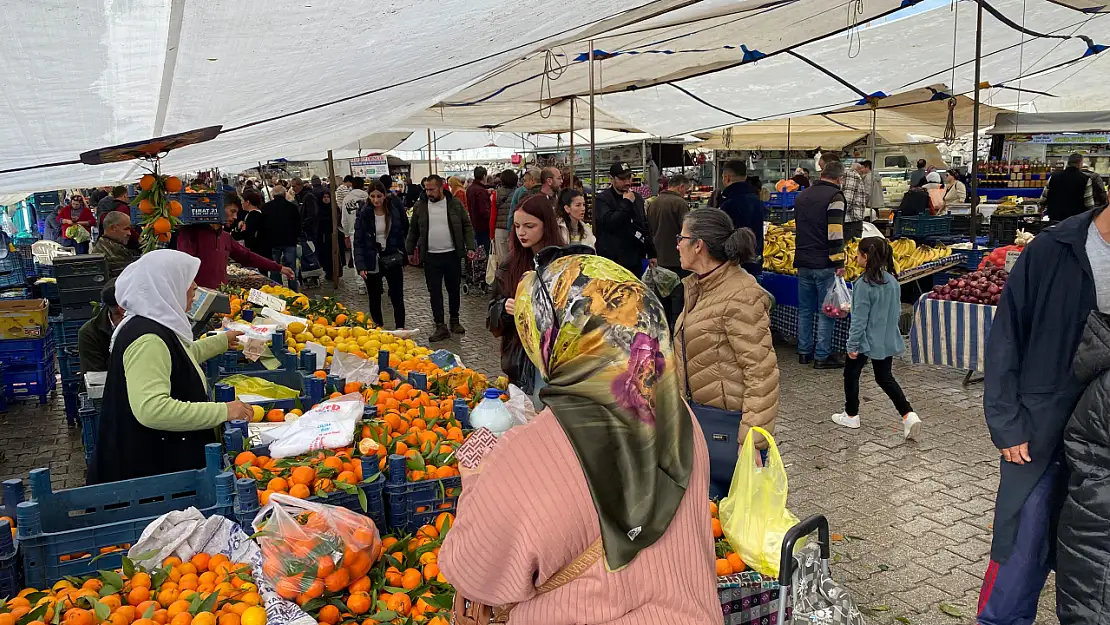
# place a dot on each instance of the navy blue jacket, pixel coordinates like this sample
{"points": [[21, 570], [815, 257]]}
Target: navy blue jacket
{"points": [[365, 241], [1030, 388], [741, 202]]}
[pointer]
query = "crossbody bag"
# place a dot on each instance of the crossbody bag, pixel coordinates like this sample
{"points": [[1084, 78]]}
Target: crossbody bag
{"points": [[467, 612], [721, 428]]}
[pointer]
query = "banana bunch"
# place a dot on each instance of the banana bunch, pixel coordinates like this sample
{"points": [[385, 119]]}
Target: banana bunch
{"points": [[917, 256], [778, 253], [778, 250]]}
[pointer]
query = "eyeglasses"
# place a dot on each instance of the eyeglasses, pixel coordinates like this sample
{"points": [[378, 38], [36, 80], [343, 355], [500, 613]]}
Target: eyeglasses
{"points": [[679, 238]]}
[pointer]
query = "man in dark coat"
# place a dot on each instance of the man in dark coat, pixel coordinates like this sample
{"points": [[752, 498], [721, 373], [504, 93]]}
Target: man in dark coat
{"points": [[1069, 192], [1084, 562], [622, 230], [1029, 393], [740, 201]]}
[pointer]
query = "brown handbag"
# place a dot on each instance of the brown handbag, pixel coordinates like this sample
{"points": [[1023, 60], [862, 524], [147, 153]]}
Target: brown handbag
{"points": [[467, 612]]}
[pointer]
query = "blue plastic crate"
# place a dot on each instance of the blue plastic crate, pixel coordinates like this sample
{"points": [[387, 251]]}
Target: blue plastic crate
{"points": [[411, 505], [77, 523], [69, 364], [10, 578], [784, 199], [372, 486], [11, 267], [312, 389], [780, 215], [196, 208], [44, 271], [974, 257], [922, 225], [65, 332], [30, 382], [29, 268], [26, 352], [90, 418]]}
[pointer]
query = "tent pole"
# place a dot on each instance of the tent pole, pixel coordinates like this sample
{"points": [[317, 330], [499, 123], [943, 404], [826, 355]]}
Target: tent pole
{"points": [[643, 159], [334, 224], [593, 150], [975, 122], [874, 114], [570, 183], [786, 174]]}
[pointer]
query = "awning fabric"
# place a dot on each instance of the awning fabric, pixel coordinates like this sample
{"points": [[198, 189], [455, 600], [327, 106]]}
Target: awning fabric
{"points": [[527, 117], [84, 74], [910, 113], [1035, 123], [898, 55]]}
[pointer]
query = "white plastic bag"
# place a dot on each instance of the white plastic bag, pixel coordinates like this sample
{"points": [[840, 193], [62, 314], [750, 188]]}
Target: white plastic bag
{"points": [[520, 406], [354, 369], [838, 301], [329, 425]]}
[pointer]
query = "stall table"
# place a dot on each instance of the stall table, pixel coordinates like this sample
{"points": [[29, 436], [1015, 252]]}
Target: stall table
{"points": [[784, 288], [950, 334]]}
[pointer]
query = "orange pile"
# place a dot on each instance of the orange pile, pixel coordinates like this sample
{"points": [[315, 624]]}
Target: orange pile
{"points": [[414, 424], [206, 590], [728, 562], [404, 587], [318, 473]]}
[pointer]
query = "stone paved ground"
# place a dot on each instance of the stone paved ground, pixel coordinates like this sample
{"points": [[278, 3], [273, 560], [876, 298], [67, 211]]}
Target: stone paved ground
{"points": [[915, 517]]}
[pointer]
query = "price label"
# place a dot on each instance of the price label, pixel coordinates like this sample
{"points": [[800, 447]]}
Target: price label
{"points": [[1011, 258], [265, 299]]}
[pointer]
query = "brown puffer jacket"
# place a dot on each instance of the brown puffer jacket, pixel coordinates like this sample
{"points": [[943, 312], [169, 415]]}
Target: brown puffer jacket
{"points": [[731, 359]]}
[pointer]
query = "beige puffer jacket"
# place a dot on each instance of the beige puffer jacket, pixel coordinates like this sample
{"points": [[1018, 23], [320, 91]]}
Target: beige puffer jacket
{"points": [[731, 358]]}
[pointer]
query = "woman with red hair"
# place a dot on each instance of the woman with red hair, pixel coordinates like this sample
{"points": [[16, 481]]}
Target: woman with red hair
{"points": [[533, 227]]}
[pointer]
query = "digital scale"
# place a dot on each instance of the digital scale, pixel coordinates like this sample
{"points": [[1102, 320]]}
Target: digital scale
{"points": [[206, 303]]}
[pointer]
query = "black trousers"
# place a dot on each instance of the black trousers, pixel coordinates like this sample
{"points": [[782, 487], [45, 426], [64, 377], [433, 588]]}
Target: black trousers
{"points": [[438, 269], [884, 376], [396, 279]]}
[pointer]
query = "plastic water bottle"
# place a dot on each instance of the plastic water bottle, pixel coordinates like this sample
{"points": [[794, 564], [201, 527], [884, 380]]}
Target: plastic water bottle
{"points": [[491, 413]]}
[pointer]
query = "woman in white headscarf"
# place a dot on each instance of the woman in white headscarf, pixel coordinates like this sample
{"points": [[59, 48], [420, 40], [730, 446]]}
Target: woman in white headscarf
{"points": [[936, 191], [156, 417]]}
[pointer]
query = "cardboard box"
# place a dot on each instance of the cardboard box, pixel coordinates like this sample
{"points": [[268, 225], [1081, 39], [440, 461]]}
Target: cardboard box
{"points": [[23, 318]]}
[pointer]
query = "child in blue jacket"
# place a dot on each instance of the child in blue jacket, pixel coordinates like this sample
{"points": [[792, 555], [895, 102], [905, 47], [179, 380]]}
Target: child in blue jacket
{"points": [[876, 306]]}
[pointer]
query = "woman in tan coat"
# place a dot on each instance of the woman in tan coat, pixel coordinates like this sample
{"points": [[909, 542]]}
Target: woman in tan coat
{"points": [[726, 359]]}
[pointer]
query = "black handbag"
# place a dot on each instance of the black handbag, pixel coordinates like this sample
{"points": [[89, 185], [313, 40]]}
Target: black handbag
{"points": [[392, 260], [722, 430]]}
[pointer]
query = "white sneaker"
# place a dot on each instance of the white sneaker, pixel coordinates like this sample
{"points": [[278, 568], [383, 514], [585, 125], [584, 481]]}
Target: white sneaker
{"points": [[912, 425], [841, 418]]}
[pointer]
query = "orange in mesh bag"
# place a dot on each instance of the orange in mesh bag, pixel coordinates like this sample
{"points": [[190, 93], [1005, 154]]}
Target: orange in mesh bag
{"points": [[312, 549]]}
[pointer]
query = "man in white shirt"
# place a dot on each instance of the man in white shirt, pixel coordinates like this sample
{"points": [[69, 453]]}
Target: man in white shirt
{"points": [[353, 201], [441, 228]]}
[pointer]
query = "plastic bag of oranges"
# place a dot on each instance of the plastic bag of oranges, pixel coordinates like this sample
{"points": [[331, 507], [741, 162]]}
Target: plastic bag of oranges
{"points": [[311, 550]]}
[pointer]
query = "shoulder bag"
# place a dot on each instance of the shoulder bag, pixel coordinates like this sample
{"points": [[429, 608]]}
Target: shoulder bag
{"points": [[467, 612], [722, 430]]}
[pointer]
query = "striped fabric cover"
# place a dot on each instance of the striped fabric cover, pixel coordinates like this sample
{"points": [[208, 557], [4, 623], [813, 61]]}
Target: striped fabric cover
{"points": [[951, 334]]}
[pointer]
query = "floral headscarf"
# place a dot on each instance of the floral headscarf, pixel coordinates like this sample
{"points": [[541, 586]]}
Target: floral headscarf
{"points": [[599, 339]]}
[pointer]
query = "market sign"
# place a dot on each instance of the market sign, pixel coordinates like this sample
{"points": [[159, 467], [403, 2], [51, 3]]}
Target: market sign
{"points": [[1099, 137], [370, 167]]}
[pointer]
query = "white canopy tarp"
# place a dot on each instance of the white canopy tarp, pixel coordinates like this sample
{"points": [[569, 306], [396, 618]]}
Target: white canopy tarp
{"points": [[84, 74], [899, 55], [1035, 123], [524, 117], [909, 113]]}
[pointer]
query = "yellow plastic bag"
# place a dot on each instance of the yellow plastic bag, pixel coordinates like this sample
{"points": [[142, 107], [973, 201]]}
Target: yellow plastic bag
{"points": [[251, 386], [754, 515]]}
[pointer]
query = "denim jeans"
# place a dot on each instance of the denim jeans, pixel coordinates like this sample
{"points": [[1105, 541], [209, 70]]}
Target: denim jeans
{"points": [[813, 284], [286, 257]]}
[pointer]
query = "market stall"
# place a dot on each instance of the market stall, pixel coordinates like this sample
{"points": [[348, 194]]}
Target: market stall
{"points": [[951, 323], [1026, 148]]}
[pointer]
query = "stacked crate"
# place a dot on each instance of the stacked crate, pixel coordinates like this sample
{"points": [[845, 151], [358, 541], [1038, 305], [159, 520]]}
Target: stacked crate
{"points": [[69, 362], [26, 350]]}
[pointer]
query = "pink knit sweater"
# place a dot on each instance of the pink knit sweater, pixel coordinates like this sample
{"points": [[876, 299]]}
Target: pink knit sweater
{"points": [[529, 513]]}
